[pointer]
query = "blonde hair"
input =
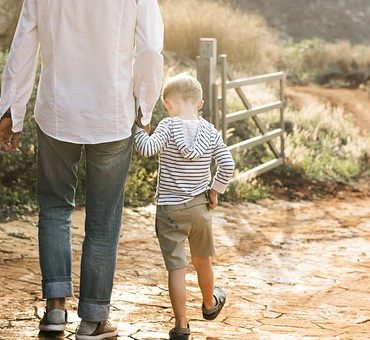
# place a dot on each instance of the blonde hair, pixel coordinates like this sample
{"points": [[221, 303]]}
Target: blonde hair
{"points": [[184, 86]]}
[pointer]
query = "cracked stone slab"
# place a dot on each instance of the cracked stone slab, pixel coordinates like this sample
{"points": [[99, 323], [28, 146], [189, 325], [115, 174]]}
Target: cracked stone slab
{"points": [[291, 270]]}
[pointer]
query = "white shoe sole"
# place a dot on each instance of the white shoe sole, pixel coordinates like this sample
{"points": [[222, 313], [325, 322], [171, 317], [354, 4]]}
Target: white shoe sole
{"points": [[52, 327], [96, 337]]}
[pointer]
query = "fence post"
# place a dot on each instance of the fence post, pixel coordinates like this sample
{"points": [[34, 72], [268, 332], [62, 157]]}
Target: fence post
{"points": [[282, 120], [215, 108], [223, 62], [206, 74]]}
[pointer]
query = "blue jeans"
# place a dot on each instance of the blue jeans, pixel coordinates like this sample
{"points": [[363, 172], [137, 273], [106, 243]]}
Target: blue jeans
{"points": [[107, 166]]}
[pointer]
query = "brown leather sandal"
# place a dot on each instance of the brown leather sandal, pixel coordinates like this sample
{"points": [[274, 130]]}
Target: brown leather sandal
{"points": [[212, 313]]}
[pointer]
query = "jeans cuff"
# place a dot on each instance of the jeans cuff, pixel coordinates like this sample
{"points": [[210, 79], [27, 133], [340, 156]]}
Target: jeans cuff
{"points": [[57, 289], [88, 310]]}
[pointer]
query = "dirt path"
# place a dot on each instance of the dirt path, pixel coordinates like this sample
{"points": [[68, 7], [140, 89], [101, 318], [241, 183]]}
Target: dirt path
{"points": [[356, 102], [291, 269]]}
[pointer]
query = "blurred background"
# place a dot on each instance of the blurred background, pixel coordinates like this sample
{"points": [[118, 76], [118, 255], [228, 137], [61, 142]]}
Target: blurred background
{"points": [[322, 45]]}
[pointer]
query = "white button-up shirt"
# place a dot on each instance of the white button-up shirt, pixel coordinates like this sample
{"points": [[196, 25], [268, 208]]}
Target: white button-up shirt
{"points": [[99, 58]]}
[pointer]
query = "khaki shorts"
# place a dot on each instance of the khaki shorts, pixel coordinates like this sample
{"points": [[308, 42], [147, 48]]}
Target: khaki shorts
{"points": [[176, 223]]}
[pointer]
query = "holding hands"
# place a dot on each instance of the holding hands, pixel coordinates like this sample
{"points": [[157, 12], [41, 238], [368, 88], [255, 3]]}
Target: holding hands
{"points": [[138, 122]]}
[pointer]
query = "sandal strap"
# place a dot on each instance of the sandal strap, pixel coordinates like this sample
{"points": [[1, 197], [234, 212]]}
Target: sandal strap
{"points": [[180, 331]]}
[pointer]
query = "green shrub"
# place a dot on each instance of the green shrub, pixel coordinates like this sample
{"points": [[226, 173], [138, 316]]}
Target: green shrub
{"points": [[240, 191], [314, 60], [326, 145]]}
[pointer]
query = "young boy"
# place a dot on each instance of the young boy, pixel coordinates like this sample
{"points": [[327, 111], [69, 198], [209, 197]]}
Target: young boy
{"points": [[186, 145]]}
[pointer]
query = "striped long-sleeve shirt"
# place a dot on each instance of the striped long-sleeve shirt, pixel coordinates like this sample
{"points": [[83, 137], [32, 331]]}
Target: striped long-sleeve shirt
{"points": [[184, 172]]}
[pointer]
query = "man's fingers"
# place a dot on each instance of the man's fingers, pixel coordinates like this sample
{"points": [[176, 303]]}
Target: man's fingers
{"points": [[147, 128]]}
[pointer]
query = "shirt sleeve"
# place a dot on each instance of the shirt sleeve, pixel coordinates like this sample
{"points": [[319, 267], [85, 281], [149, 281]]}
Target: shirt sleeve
{"points": [[151, 145], [148, 59], [225, 165], [20, 68]]}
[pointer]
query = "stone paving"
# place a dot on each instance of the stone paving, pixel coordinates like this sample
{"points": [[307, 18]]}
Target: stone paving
{"points": [[291, 270]]}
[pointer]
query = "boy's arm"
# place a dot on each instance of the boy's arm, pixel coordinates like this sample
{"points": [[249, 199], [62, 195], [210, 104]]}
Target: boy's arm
{"points": [[148, 59], [151, 145], [20, 68], [225, 167]]}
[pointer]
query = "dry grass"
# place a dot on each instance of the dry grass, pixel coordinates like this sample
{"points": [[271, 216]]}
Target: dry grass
{"points": [[246, 38], [346, 57]]}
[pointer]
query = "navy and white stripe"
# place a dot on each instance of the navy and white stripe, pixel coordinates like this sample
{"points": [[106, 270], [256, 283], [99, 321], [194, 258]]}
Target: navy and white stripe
{"points": [[185, 172]]}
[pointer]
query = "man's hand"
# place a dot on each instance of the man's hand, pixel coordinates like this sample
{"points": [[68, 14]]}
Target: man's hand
{"points": [[9, 141], [213, 199], [139, 123]]}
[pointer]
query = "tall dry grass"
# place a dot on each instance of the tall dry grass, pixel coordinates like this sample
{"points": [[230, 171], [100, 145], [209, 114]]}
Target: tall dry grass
{"points": [[246, 38]]}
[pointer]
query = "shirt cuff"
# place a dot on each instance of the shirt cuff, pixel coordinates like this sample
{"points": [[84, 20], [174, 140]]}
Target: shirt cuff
{"points": [[219, 187], [147, 117], [17, 115]]}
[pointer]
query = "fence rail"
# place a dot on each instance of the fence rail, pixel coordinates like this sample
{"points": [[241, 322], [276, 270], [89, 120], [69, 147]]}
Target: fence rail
{"points": [[254, 141], [254, 80], [248, 113], [216, 106]]}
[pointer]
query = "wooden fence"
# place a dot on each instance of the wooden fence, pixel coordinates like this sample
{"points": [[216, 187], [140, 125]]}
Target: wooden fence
{"points": [[216, 105]]}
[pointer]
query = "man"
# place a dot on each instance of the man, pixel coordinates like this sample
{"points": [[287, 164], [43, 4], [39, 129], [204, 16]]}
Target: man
{"points": [[101, 63]]}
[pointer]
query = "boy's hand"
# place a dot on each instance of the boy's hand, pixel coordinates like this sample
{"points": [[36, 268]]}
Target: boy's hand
{"points": [[213, 199], [9, 141], [139, 123]]}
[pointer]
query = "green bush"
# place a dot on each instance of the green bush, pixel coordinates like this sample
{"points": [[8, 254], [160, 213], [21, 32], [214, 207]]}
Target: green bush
{"points": [[326, 145], [312, 61], [240, 191]]}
